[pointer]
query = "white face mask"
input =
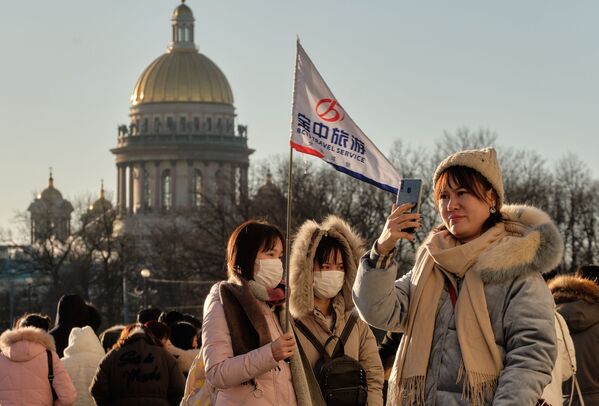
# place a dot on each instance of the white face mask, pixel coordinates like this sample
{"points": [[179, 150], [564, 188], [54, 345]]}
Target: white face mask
{"points": [[328, 283], [269, 272]]}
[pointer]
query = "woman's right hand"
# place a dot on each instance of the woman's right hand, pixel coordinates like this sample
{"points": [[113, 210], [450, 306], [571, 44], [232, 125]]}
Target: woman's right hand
{"points": [[283, 347], [399, 220]]}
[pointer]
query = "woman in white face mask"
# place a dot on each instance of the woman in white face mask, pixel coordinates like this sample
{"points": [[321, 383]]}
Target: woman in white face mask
{"points": [[324, 262], [244, 345]]}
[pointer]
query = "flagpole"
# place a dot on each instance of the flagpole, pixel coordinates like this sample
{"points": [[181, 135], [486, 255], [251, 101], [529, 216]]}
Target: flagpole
{"points": [[287, 237]]}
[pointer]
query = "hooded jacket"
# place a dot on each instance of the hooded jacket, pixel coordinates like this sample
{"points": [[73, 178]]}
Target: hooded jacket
{"points": [[71, 311], [138, 373], [577, 300], [361, 344], [24, 370], [81, 359], [520, 307]]}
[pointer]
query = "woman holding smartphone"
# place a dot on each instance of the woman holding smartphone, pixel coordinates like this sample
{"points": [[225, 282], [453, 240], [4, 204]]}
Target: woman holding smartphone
{"points": [[476, 316], [244, 346]]}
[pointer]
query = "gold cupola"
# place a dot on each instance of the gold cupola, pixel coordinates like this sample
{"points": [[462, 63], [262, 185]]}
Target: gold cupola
{"points": [[182, 74]]}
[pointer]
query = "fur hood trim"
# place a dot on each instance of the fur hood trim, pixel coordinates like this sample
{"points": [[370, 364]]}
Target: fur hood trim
{"points": [[532, 244], [303, 251], [570, 288], [33, 334]]}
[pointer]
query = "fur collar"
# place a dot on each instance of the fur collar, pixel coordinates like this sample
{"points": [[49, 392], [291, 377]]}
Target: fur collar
{"points": [[532, 244], [303, 251], [33, 334], [570, 288]]}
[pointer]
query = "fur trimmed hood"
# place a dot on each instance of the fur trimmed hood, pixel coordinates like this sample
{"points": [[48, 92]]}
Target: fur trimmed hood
{"points": [[303, 251], [577, 300], [22, 344], [533, 244], [570, 288]]}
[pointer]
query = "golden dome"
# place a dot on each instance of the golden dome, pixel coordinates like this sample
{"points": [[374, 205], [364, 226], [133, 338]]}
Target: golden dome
{"points": [[182, 11], [50, 193], [182, 75]]}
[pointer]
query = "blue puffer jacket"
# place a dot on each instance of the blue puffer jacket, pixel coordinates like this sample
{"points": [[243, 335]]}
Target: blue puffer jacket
{"points": [[519, 303]]}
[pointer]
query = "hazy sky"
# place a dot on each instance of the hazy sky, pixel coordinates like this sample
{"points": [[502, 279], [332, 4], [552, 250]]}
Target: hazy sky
{"points": [[525, 69]]}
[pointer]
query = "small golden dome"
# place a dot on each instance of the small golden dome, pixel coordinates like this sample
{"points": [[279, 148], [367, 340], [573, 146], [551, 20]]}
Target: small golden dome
{"points": [[50, 193], [182, 11], [182, 75]]}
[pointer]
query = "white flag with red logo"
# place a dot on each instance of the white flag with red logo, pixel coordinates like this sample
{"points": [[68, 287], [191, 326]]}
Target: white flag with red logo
{"points": [[321, 127]]}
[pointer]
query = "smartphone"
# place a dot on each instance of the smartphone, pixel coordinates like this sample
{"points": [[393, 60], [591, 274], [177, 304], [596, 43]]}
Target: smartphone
{"points": [[410, 191]]}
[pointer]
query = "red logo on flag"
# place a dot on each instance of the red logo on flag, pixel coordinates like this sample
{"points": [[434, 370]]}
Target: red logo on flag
{"points": [[329, 110]]}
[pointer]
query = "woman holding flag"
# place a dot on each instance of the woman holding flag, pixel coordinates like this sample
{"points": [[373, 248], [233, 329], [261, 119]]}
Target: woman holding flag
{"points": [[476, 314], [244, 345]]}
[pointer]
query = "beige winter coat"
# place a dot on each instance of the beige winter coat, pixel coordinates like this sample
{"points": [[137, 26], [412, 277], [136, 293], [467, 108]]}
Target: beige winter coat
{"points": [[361, 344]]}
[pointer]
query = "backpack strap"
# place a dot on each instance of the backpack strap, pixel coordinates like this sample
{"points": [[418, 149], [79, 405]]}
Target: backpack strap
{"points": [[51, 374], [308, 334], [349, 326]]}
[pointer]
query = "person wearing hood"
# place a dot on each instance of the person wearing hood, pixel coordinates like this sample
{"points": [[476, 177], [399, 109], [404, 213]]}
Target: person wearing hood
{"points": [[81, 359], [71, 311], [577, 299], [24, 370], [138, 371], [323, 266], [244, 343], [476, 315]]}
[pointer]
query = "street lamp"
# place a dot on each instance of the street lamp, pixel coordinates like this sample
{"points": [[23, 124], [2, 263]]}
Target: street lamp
{"points": [[145, 274]]}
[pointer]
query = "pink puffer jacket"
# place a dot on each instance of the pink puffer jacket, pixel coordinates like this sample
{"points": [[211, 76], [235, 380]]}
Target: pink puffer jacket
{"points": [[227, 373], [24, 370]]}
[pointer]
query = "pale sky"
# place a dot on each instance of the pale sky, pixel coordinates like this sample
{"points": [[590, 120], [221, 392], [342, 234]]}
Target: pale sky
{"points": [[525, 69]]}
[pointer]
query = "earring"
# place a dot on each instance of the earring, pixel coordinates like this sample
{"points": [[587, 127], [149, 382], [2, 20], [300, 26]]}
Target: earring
{"points": [[492, 210]]}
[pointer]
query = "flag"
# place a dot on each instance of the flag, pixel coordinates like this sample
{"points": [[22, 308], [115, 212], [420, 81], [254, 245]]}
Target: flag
{"points": [[321, 127]]}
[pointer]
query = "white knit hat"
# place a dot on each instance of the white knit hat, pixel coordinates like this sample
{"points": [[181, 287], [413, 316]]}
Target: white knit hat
{"points": [[483, 161]]}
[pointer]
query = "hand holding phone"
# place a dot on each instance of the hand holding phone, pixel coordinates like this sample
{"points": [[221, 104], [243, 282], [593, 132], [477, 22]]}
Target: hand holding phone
{"points": [[410, 191]]}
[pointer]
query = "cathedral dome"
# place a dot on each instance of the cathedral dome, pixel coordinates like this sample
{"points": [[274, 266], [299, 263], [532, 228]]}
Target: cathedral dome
{"points": [[182, 75], [51, 194]]}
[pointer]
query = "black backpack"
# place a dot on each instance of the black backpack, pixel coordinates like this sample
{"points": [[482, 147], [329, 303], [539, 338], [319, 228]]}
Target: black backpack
{"points": [[341, 378]]}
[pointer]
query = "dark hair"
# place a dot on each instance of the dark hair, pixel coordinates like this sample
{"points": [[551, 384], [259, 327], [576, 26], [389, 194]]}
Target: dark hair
{"points": [[110, 336], [94, 318], [182, 335], [128, 333], [193, 320], [160, 330], [589, 271], [326, 247], [475, 183], [170, 318], [146, 315], [38, 320], [246, 241]]}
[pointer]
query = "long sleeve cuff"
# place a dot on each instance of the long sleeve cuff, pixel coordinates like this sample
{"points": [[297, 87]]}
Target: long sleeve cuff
{"points": [[379, 261]]}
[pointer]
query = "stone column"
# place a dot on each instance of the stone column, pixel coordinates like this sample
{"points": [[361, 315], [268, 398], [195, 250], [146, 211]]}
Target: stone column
{"points": [[140, 188], [130, 188], [122, 188], [190, 185], [173, 184], [157, 202]]}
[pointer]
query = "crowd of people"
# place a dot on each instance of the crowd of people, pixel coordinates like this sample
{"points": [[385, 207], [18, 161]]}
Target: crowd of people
{"points": [[473, 322]]}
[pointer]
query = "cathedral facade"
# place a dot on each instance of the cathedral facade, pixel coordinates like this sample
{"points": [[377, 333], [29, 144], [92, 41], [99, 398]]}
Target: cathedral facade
{"points": [[182, 147]]}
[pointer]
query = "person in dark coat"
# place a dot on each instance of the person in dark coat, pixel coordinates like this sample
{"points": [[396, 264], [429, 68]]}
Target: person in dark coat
{"points": [[71, 312], [577, 300], [138, 371]]}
